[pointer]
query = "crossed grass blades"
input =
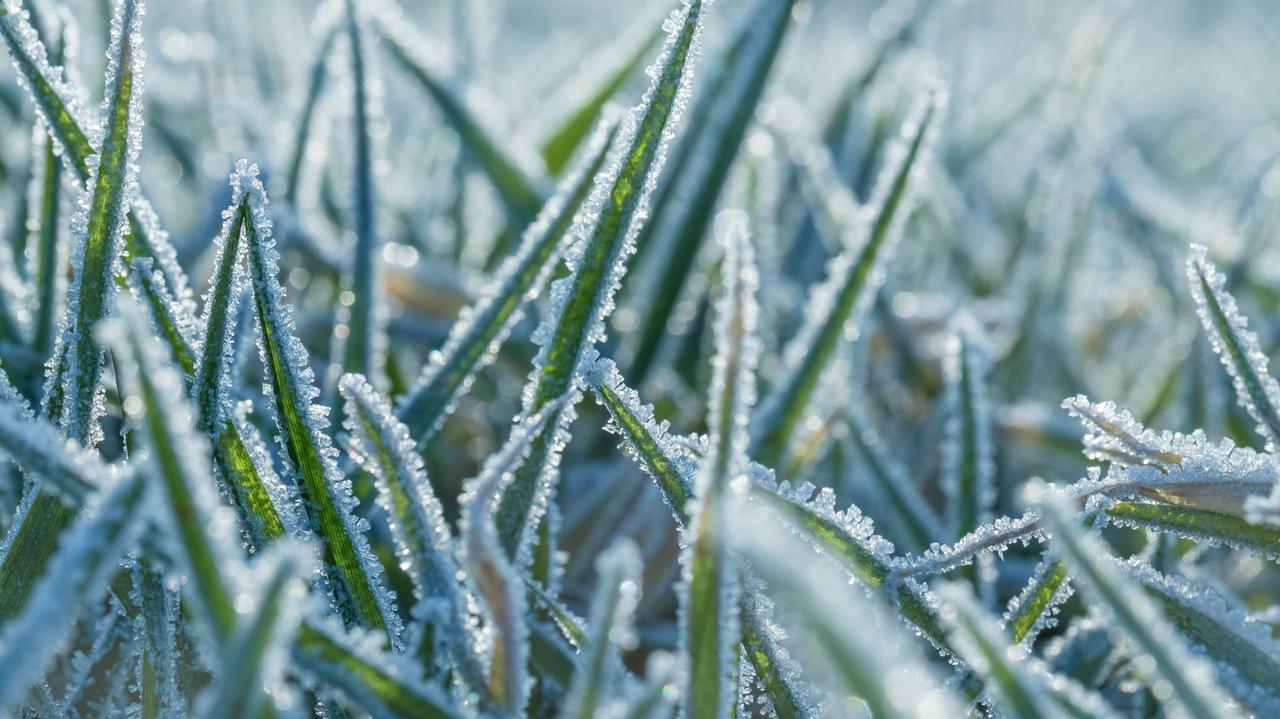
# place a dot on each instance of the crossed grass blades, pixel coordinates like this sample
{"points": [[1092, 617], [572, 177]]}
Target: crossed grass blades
{"points": [[321, 528]]}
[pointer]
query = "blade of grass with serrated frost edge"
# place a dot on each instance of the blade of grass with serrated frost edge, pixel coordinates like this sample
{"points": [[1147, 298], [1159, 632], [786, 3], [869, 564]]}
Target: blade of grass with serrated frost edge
{"points": [[673, 249], [1197, 524], [852, 279], [56, 102], [1194, 689], [76, 365], [709, 621], [482, 328], [604, 234], [269, 508], [156, 629], [496, 581], [860, 654], [1014, 687], [1236, 345], [50, 283], [1034, 609], [353, 571], [87, 557], [1245, 653], [600, 668], [518, 191], [252, 657], [425, 546], [563, 143], [99, 229]]}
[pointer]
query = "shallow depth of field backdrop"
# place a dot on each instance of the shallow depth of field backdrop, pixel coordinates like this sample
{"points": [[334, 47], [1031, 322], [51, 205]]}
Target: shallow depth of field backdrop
{"points": [[750, 358]]}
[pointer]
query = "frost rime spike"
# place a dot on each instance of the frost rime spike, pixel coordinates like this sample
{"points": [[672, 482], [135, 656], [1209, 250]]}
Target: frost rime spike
{"points": [[99, 227], [482, 328], [382, 446], [604, 232], [1195, 692], [353, 572], [709, 600], [841, 300], [1236, 345], [85, 560], [600, 669]]}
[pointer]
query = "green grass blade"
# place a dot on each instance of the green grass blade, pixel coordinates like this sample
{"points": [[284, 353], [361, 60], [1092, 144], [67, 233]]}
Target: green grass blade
{"points": [[355, 576], [1032, 611], [1236, 345], [86, 559], [847, 637], [1246, 654], [563, 143], [1198, 524], [843, 298], [605, 231], [1015, 687], [484, 327], [709, 602], [677, 239], [180, 461], [99, 229], [316, 78], [519, 192], [381, 684], [645, 439], [1194, 689], [50, 283], [425, 546]]}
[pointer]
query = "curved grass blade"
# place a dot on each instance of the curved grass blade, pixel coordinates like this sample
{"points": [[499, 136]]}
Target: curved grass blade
{"points": [[1015, 688], [563, 143], [1034, 609], [316, 77], [1247, 657], [78, 572], [1132, 614], [362, 319], [99, 228], [1236, 345], [645, 439], [847, 636], [379, 683], [250, 658], [595, 684], [1198, 524], [382, 446], [482, 328], [604, 236], [355, 577], [709, 601], [518, 191], [674, 247], [852, 278]]}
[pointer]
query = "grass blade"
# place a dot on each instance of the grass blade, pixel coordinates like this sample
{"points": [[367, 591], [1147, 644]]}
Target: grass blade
{"points": [[483, 328], [355, 577], [917, 519], [1236, 345], [604, 235], [843, 298], [677, 235], [1198, 524], [99, 228], [50, 283], [1034, 609], [78, 573], [709, 606], [1134, 615]]}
